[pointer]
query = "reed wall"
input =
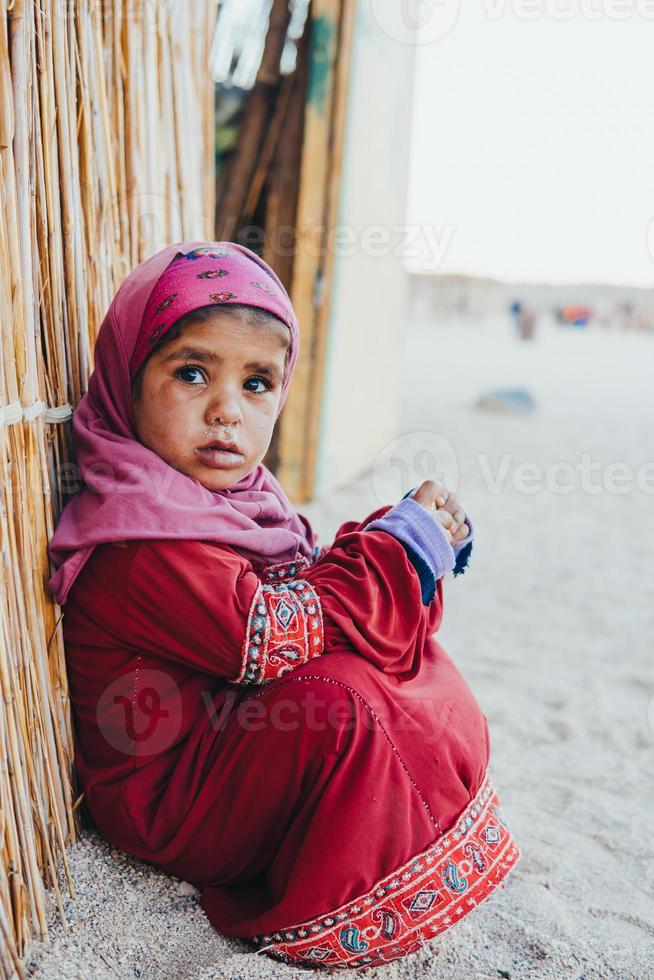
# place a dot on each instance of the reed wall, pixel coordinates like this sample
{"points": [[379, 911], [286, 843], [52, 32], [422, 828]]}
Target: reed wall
{"points": [[106, 154]]}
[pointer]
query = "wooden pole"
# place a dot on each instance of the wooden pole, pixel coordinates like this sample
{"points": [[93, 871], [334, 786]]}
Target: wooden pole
{"points": [[237, 182], [323, 305], [331, 35]]}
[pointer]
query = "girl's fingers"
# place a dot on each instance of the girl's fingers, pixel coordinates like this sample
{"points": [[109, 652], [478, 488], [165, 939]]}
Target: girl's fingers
{"points": [[444, 525], [431, 493], [459, 515], [440, 492], [461, 533], [452, 503]]}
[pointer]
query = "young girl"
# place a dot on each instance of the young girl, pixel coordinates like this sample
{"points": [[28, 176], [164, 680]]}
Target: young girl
{"points": [[266, 718]]}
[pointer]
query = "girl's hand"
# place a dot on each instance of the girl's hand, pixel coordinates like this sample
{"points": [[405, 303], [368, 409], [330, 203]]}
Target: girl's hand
{"points": [[444, 507]]}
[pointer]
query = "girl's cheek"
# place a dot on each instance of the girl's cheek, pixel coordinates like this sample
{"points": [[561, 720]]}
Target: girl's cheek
{"points": [[265, 418], [171, 392]]}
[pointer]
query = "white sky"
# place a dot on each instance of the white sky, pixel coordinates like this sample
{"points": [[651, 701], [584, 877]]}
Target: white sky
{"points": [[533, 142]]}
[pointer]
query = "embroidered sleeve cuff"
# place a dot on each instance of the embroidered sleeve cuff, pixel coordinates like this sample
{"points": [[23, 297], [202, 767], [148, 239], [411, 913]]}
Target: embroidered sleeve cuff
{"points": [[318, 552], [424, 540], [284, 630]]}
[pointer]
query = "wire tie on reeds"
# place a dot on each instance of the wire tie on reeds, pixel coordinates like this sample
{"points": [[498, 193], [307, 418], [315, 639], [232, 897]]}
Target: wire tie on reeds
{"points": [[31, 412], [11, 413], [58, 413], [14, 412]]}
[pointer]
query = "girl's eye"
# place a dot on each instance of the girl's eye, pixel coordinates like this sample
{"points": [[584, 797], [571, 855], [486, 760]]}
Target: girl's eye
{"points": [[187, 372], [266, 385], [188, 368]]}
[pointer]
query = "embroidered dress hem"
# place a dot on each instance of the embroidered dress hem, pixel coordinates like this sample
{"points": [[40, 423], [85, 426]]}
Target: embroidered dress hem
{"points": [[415, 903]]}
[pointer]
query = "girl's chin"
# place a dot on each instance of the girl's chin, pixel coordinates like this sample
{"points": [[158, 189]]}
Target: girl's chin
{"points": [[221, 479], [215, 477]]}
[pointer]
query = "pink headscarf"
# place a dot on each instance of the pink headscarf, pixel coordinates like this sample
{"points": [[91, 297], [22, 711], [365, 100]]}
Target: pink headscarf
{"points": [[129, 492]]}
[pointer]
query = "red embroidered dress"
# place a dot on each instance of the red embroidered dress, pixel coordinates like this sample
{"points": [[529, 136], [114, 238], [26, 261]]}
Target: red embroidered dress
{"points": [[293, 741]]}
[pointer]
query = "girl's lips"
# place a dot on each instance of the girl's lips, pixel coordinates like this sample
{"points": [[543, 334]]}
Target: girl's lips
{"points": [[221, 459]]}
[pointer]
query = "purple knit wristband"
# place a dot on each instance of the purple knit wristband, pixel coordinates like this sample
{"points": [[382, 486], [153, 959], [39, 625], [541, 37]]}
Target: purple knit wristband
{"points": [[413, 525]]}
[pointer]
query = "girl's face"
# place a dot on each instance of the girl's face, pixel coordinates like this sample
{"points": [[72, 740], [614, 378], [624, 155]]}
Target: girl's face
{"points": [[222, 368]]}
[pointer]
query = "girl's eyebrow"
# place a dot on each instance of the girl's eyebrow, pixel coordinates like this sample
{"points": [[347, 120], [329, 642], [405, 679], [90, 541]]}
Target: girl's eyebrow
{"points": [[199, 354]]}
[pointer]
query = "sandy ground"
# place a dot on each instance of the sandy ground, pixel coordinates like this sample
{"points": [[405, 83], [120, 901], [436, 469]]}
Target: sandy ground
{"points": [[551, 626]]}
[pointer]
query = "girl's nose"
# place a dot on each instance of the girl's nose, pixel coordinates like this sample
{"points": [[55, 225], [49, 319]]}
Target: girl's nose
{"points": [[225, 408]]}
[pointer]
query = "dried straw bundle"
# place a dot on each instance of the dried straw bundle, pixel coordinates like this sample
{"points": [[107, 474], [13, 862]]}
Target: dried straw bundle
{"points": [[106, 154]]}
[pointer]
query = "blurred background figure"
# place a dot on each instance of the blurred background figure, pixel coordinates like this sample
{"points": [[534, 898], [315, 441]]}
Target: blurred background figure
{"points": [[524, 320], [527, 325], [516, 312]]}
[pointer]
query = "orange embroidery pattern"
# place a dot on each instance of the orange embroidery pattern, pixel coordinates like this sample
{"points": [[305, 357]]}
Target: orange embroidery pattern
{"points": [[285, 627], [413, 904]]}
